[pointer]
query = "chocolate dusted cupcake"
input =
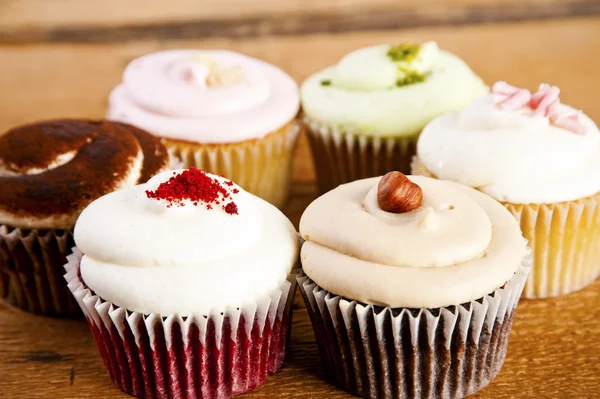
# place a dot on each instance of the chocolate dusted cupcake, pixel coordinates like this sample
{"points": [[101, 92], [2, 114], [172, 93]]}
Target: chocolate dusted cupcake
{"points": [[187, 283], [216, 110], [538, 157], [411, 284], [49, 172], [363, 116]]}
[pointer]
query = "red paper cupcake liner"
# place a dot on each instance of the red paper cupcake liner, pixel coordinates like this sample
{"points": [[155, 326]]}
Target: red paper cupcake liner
{"points": [[31, 270], [213, 356], [384, 353]]}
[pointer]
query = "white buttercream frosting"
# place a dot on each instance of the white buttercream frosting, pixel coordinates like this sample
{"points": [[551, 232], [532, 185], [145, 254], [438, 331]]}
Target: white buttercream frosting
{"points": [[146, 256], [360, 93], [512, 155], [214, 96], [459, 245]]}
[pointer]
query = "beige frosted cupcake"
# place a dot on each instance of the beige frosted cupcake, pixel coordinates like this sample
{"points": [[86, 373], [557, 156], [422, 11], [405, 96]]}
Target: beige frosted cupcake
{"points": [[412, 285], [364, 115], [216, 110], [540, 158]]}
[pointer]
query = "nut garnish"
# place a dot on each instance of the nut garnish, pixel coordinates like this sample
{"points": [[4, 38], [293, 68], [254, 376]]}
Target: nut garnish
{"points": [[397, 194]]}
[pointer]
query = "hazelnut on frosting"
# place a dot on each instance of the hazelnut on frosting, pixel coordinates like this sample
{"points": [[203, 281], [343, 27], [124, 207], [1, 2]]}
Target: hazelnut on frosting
{"points": [[186, 242], [448, 246]]}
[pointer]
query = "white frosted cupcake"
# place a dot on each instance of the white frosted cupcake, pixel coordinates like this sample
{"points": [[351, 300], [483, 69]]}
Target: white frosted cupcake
{"points": [[217, 110], [364, 114], [187, 285], [411, 284], [540, 158]]}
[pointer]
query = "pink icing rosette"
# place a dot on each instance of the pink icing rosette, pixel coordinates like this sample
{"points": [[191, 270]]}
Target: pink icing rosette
{"points": [[545, 103]]}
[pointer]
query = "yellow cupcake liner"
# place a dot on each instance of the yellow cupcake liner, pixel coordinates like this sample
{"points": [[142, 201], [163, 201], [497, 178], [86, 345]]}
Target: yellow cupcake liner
{"points": [[262, 166], [564, 238], [341, 157]]}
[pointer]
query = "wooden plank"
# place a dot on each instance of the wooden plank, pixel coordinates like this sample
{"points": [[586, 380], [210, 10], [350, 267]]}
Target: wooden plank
{"points": [[554, 350], [115, 20]]}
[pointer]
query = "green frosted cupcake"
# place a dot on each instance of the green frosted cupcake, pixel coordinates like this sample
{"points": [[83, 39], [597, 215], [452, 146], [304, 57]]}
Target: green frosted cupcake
{"points": [[364, 114]]}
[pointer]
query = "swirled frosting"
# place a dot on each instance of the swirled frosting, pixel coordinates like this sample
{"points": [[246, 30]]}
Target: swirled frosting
{"points": [[212, 96], [459, 245], [390, 90], [50, 171], [151, 256], [513, 155]]}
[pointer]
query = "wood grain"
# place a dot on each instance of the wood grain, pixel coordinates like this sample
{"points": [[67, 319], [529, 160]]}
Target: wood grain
{"points": [[555, 344], [116, 20]]}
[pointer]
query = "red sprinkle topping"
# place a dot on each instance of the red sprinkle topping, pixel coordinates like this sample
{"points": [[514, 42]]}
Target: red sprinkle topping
{"points": [[199, 188]]}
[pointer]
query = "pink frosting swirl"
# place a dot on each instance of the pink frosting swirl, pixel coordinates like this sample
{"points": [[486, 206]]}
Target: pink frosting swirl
{"points": [[212, 96], [545, 103]]}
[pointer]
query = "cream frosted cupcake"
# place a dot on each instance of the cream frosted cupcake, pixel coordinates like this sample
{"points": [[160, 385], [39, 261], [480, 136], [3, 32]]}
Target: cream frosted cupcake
{"points": [[187, 285], [49, 172], [364, 114], [216, 110], [540, 158], [411, 285]]}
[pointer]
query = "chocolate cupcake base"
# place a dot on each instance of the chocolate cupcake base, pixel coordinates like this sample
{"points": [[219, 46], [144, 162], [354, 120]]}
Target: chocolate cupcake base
{"points": [[341, 157], [442, 353], [31, 270], [211, 356]]}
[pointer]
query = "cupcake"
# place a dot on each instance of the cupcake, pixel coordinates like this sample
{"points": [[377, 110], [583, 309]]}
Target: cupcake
{"points": [[49, 172], [411, 285], [364, 115], [187, 285], [540, 158], [219, 111]]}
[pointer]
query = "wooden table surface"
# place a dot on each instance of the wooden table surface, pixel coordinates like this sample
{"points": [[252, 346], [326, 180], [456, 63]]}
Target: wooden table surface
{"points": [[554, 350]]}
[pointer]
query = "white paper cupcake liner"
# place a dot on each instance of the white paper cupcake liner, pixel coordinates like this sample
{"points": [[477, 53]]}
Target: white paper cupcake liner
{"points": [[31, 270], [441, 353], [262, 167], [211, 356], [341, 157]]}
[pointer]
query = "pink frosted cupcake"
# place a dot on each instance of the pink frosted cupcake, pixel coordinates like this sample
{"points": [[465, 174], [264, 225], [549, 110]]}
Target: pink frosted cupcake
{"points": [[216, 110], [187, 285]]}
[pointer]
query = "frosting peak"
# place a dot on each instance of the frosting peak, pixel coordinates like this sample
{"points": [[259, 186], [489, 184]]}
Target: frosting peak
{"points": [[385, 66]]}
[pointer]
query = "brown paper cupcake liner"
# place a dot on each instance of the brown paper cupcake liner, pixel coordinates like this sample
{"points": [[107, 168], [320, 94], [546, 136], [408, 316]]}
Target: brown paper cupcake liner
{"points": [[565, 239], [31, 270], [341, 157], [442, 353], [262, 167], [202, 356]]}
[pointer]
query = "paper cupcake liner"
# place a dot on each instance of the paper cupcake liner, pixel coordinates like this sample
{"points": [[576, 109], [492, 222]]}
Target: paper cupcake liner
{"points": [[31, 270], [262, 167], [341, 157], [212, 356], [441, 353], [565, 239]]}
